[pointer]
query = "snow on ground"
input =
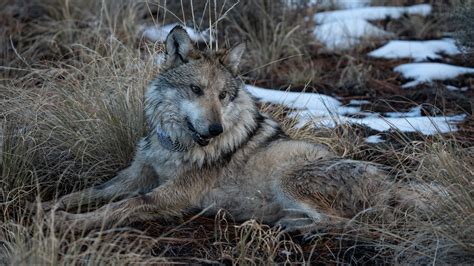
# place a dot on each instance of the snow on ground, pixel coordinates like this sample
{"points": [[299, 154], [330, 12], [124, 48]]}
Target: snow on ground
{"points": [[372, 13], [454, 88], [346, 33], [343, 4], [341, 29], [159, 33], [358, 102], [319, 104], [418, 50], [415, 111], [374, 139], [159, 58], [323, 110], [424, 124], [340, 4], [427, 72]]}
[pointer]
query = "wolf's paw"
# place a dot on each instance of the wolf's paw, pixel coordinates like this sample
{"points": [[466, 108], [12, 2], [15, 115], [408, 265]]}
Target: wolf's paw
{"points": [[72, 222], [294, 224], [314, 231], [308, 228], [42, 207], [317, 230]]}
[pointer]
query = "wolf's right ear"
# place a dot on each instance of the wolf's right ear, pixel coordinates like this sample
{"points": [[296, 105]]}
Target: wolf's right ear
{"points": [[178, 45]]}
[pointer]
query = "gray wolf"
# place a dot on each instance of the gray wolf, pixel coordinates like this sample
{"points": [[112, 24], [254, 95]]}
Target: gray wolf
{"points": [[209, 147]]}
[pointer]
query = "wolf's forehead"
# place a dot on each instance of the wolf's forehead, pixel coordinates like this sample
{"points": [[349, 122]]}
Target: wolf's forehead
{"points": [[213, 77]]}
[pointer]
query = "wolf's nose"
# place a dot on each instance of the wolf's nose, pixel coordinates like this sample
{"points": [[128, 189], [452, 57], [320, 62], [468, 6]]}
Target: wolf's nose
{"points": [[215, 129]]}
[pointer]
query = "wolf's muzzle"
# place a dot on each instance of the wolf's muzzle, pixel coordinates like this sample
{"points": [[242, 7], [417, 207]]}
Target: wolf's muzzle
{"points": [[198, 138]]}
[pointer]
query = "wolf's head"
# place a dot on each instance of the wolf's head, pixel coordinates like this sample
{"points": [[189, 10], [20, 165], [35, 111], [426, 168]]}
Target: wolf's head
{"points": [[197, 96]]}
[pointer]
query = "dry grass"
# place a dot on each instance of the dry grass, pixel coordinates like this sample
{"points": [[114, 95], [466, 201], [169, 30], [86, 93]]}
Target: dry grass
{"points": [[273, 33], [71, 107], [460, 18]]}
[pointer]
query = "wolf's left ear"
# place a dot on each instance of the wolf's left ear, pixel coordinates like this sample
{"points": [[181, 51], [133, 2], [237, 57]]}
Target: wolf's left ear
{"points": [[233, 56], [178, 46]]}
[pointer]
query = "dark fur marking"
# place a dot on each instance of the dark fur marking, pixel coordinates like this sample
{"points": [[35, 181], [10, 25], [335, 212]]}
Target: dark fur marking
{"points": [[145, 199], [180, 56], [278, 134], [259, 119], [234, 94], [182, 59], [147, 142]]}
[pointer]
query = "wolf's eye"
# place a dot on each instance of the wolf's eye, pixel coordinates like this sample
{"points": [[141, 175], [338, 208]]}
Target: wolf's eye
{"points": [[196, 90], [222, 95]]}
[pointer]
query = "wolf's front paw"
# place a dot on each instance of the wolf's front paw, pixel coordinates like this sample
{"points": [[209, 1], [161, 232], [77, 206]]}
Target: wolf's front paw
{"points": [[77, 223], [43, 207]]}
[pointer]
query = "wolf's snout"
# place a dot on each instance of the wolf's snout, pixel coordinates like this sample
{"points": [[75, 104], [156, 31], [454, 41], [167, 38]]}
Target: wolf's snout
{"points": [[215, 129]]}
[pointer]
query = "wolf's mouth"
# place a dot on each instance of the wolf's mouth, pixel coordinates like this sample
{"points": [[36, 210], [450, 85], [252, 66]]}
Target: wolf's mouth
{"points": [[203, 141]]}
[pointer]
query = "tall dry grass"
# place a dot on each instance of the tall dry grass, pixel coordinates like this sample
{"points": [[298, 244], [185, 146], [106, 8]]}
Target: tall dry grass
{"points": [[71, 106], [460, 18], [273, 32]]}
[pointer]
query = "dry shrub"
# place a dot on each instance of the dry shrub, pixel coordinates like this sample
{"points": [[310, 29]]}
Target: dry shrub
{"points": [[72, 111], [273, 33], [301, 74], [72, 116], [354, 77], [58, 30], [446, 237], [254, 243], [463, 26], [82, 127]]}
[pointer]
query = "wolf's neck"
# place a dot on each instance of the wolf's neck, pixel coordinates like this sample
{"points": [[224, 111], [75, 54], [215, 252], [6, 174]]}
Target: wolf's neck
{"points": [[222, 149], [165, 140]]}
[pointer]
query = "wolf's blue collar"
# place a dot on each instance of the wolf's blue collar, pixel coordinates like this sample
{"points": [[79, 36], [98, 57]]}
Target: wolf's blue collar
{"points": [[166, 141]]}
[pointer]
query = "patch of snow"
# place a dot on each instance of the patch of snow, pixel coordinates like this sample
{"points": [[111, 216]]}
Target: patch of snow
{"points": [[339, 4], [286, 253], [414, 112], [160, 59], [324, 110], [158, 34], [427, 72], [374, 139], [319, 103], [423, 124], [418, 50], [343, 4], [344, 34], [372, 13], [342, 29], [358, 102], [454, 88]]}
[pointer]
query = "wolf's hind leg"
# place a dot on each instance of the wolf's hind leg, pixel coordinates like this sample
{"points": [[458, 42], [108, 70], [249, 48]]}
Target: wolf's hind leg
{"points": [[135, 179], [330, 191]]}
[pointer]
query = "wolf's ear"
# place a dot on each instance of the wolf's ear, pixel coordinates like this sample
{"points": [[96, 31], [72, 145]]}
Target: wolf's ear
{"points": [[232, 57], [178, 46]]}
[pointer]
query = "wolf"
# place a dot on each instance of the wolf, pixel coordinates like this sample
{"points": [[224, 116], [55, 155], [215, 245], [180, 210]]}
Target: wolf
{"points": [[209, 147]]}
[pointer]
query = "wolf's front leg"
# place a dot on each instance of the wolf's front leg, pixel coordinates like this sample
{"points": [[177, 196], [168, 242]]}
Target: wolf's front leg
{"points": [[137, 178], [163, 202]]}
